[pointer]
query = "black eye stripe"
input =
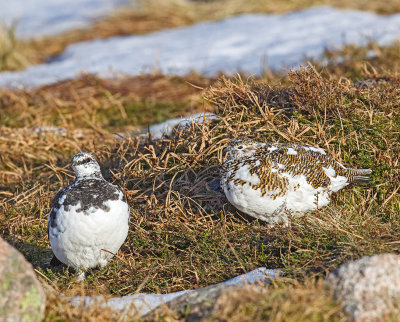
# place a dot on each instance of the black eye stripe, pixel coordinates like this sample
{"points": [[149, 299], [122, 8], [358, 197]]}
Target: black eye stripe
{"points": [[240, 147], [85, 160]]}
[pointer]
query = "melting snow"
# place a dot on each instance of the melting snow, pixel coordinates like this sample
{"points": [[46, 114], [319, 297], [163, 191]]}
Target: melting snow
{"points": [[167, 127], [245, 43], [37, 18], [145, 303]]}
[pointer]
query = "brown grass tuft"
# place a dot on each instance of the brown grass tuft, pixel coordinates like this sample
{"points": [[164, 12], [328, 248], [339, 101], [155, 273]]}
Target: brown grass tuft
{"points": [[14, 54], [286, 300]]}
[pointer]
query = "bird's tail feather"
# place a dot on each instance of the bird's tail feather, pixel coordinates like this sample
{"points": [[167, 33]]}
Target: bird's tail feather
{"points": [[361, 179], [364, 172], [361, 175]]}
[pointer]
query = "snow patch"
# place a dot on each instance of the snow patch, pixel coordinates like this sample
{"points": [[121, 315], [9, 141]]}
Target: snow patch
{"points": [[144, 303], [36, 18], [247, 43], [157, 131]]}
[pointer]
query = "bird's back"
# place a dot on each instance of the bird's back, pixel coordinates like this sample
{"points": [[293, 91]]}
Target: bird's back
{"points": [[275, 163]]}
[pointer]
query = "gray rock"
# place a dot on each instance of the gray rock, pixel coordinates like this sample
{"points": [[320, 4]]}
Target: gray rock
{"points": [[143, 303], [21, 295], [365, 83], [43, 130], [369, 287], [371, 82], [200, 304]]}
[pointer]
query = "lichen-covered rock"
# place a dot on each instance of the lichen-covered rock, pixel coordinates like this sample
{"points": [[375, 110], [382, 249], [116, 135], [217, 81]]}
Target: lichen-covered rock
{"points": [[21, 295], [369, 287]]}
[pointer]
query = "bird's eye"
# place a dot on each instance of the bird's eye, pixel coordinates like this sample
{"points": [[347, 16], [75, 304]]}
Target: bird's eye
{"points": [[240, 147], [86, 160]]}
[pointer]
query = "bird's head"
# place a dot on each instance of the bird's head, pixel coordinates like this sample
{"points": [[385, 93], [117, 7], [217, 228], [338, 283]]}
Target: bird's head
{"points": [[241, 147], [85, 166]]}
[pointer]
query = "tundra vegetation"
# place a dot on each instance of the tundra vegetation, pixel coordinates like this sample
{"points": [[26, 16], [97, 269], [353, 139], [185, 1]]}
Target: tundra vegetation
{"points": [[182, 233]]}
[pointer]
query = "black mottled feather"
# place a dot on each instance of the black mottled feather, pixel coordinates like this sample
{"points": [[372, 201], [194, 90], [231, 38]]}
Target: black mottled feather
{"points": [[89, 193]]}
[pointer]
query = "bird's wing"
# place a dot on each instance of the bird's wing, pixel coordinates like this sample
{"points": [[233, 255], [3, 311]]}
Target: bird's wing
{"points": [[294, 159]]}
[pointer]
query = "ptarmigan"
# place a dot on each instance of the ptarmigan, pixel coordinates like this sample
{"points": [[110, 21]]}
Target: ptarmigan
{"points": [[88, 220], [273, 181]]}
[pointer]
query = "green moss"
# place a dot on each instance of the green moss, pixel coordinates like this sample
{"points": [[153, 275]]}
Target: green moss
{"points": [[7, 282], [31, 304]]}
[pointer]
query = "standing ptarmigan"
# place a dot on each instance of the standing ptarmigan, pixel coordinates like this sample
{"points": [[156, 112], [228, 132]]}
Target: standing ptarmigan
{"points": [[88, 220], [273, 181]]}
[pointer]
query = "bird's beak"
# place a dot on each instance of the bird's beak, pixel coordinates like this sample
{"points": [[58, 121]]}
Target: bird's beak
{"points": [[225, 149]]}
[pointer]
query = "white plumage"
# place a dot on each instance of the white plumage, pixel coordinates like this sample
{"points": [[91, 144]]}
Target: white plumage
{"points": [[274, 181], [89, 219]]}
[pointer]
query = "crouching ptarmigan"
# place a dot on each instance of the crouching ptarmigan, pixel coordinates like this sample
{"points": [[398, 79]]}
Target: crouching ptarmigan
{"points": [[273, 181], [88, 220]]}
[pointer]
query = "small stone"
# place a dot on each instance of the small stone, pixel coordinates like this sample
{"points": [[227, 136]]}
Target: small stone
{"points": [[369, 287], [43, 130], [21, 295]]}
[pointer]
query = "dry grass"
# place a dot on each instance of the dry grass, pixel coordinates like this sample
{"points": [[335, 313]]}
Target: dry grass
{"points": [[286, 300], [58, 309], [14, 54], [358, 63], [154, 15], [183, 235]]}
